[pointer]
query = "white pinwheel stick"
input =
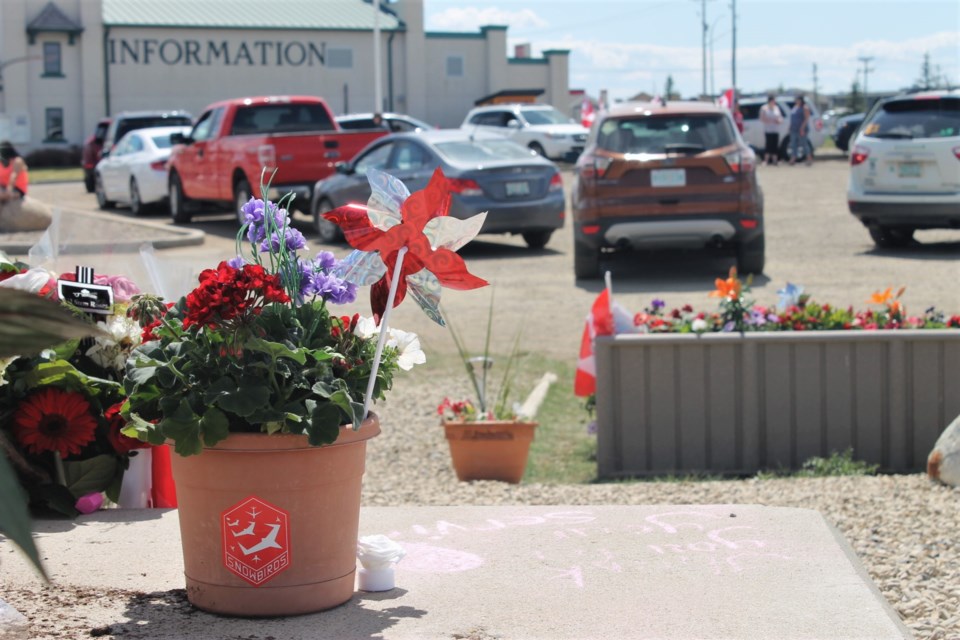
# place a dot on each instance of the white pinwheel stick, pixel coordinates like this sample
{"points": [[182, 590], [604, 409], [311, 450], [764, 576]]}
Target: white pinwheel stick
{"points": [[394, 283]]}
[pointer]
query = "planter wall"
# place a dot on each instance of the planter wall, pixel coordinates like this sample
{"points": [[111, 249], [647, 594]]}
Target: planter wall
{"points": [[736, 404]]}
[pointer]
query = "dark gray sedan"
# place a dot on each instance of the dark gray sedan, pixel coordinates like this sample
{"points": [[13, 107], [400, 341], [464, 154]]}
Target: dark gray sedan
{"points": [[520, 191]]}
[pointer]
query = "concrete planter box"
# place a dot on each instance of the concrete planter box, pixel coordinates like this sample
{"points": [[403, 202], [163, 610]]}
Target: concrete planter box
{"points": [[731, 404]]}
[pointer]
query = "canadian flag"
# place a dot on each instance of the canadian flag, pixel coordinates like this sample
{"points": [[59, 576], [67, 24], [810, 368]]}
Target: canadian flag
{"points": [[587, 114], [726, 100], [599, 323]]}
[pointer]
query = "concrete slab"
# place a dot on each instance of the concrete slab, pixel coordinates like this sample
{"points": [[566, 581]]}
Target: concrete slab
{"points": [[669, 572]]}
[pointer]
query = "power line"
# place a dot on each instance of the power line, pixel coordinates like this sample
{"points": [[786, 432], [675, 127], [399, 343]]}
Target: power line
{"points": [[866, 71]]}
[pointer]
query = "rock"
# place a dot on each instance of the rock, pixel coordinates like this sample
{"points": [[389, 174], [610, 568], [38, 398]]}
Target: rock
{"points": [[13, 625], [943, 464]]}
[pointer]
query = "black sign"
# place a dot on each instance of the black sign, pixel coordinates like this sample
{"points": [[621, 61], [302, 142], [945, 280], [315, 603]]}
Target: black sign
{"points": [[92, 298]]}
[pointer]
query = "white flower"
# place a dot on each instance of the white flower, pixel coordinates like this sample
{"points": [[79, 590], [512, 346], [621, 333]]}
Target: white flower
{"points": [[698, 325], [406, 343], [4, 363], [110, 351]]}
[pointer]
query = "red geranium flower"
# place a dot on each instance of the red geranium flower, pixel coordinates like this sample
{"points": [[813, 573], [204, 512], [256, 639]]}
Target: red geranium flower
{"points": [[121, 444], [54, 420]]}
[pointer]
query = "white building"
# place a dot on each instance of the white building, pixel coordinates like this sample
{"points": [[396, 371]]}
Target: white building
{"points": [[64, 64]]}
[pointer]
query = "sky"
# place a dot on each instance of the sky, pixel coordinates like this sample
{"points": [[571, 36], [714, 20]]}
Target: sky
{"points": [[632, 46]]}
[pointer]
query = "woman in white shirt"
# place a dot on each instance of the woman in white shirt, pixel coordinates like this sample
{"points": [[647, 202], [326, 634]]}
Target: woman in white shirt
{"points": [[771, 118]]}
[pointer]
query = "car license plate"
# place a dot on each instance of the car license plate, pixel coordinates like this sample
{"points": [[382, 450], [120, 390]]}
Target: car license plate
{"points": [[518, 188], [668, 178], [909, 169]]}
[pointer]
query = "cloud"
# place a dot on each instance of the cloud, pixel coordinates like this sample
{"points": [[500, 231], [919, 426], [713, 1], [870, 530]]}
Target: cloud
{"points": [[472, 18]]}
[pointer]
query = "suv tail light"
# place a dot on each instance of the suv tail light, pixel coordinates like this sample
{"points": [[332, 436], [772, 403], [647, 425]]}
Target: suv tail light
{"points": [[741, 161], [267, 155], [159, 165], [465, 187], [859, 155], [556, 183], [594, 167]]}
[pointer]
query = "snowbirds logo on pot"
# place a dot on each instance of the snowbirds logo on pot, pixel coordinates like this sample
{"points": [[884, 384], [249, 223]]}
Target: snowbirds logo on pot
{"points": [[266, 394]]}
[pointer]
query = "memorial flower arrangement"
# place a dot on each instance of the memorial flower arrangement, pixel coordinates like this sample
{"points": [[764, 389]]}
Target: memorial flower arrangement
{"points": [[256, 347], [59, 409], [795, 311]]}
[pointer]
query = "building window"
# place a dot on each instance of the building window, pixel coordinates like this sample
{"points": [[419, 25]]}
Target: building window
{"points": [[51, 59], [54, 124], [340, 58], [454, 66]]}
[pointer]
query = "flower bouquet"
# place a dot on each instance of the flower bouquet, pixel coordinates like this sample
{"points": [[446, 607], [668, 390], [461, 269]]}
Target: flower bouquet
{"points": [[265, 393], [59, 409]]}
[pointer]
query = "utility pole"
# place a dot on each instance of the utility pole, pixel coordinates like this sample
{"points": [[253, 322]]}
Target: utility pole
{"points": [[816, 87], [866, 71], [733, 52], [703, 15]]}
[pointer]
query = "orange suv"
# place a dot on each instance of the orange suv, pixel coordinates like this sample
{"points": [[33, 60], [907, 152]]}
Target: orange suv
{"points": [[666, 176]]}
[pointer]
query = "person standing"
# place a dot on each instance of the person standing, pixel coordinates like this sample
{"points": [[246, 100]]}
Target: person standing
{"points": [[799, 129], [17, 212], [771, 118]]}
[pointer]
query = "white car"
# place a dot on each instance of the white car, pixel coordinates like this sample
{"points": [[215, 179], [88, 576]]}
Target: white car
{"points": [[135, 172], [905, 167], [539, 127], [754, 135]]}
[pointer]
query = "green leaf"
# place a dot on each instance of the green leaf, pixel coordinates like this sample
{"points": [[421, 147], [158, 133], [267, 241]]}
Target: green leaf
{"points": [[30, 323], [324, 425], [14, 517], [214, 426], [183, 427], [90, 476], [250, 395], [140, 374], [275, 350], [56, 497]]}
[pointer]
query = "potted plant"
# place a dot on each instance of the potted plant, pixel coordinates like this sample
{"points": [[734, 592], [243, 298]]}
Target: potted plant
{"points": [[488, 439], [264, 394], [751, 387]]}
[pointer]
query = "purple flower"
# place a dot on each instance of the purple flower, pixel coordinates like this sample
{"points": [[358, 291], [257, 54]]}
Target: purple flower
{"points": [[293, 240], [334, 289], [658, 304], [253, 211], [756, 318], [237, 263], [325, 260], [729, 326]]}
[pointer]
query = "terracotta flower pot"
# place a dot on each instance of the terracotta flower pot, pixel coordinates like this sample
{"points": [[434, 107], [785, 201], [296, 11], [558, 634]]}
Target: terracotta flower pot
{"points": [[489, 449], [269, 523]]}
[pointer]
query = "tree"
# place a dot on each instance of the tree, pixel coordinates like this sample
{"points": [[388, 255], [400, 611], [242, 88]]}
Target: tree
{"points": [[928, 79], [668, 89], [855, 97]]}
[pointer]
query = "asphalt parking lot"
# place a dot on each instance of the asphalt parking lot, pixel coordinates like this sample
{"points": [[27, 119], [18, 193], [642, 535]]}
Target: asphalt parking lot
{"points": [[812, 241]]}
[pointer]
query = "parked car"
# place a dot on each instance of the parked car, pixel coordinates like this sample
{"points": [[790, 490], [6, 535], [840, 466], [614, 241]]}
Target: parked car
{"points": [[521, 192], [90, 156], [135, 173], [905, 167], [539, 127], [666, 176], [754, 135], [221, 160], [127, 121], [395, 122], [846, 126]]}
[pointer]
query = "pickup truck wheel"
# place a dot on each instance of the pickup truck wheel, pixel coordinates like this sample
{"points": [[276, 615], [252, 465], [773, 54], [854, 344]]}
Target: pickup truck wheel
{"points": [[102, 201], [538, 149], [537, 239], [327, 232], [178, 201], [586, 262], [137, 207], [241, 197], [751, 257]]}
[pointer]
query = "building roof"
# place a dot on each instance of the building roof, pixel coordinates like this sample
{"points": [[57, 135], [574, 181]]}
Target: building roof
{"points": [[53, 19], [248, 14]]}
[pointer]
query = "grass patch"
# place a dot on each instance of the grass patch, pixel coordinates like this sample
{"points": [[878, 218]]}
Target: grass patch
{"points": [[836, 464], [56, 174]]}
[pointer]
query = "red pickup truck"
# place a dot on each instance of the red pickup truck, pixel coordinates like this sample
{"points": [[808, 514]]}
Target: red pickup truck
{"points": [[221, 160]]}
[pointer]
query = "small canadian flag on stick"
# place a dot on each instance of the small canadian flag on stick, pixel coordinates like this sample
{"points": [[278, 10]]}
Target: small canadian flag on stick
{"points": [[599, 323], [587, 113]]}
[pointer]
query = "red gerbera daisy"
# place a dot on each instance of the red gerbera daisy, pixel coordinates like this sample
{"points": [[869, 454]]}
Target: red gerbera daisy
{"points": [[54, 420]]}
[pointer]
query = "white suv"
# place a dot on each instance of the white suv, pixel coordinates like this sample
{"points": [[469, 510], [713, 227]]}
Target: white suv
{"points": [[539, 127], [753, 128], [905, 167]]}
